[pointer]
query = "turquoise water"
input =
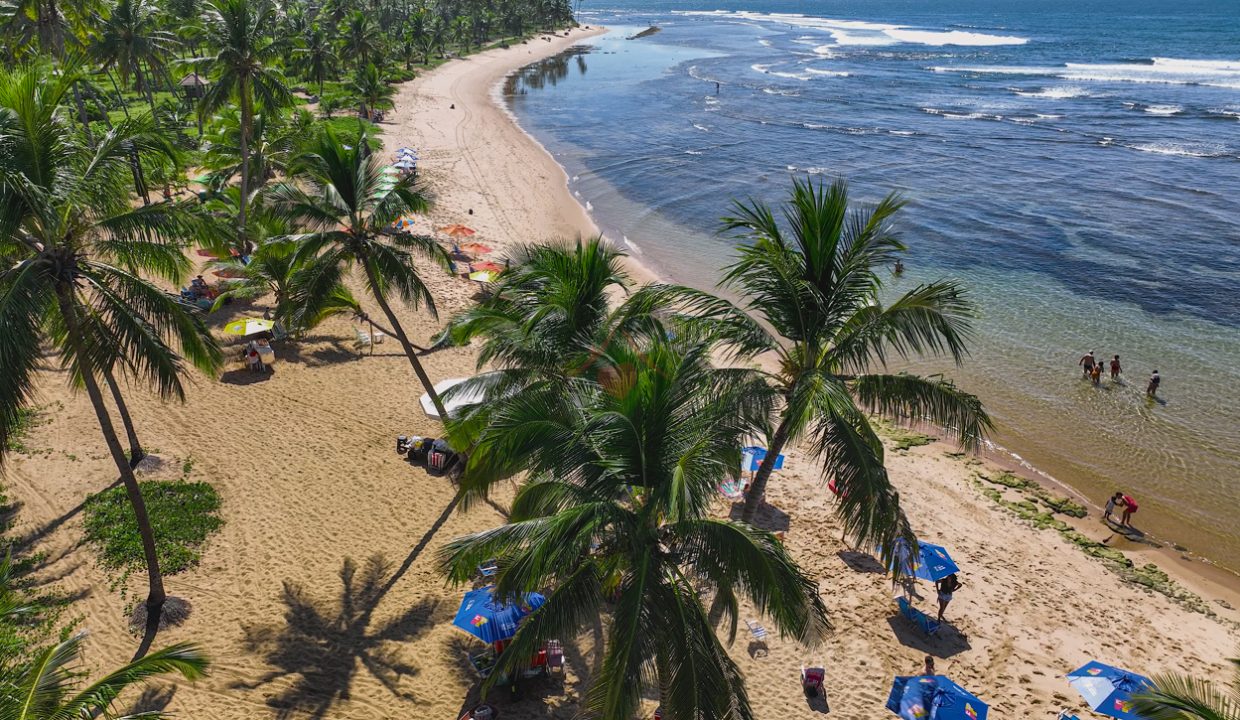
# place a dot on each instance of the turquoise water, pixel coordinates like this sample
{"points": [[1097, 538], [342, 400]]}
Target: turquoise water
{"points": [[1077, 164]]}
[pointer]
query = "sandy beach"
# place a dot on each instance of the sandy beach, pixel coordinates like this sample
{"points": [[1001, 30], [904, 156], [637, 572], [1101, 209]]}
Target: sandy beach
{"points": [[320, 597]]}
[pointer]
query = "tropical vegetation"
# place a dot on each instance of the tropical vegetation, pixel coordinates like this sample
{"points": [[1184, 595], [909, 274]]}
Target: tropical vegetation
{"points": [[1184, 697]]}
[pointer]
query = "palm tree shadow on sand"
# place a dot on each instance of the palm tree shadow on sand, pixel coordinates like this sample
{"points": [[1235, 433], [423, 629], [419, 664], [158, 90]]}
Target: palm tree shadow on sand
{"points": [[324, 642]]}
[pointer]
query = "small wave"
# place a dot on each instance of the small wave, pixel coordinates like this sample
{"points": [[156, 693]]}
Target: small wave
{"points": [[1055, 93], [631, 245], [764, 42], [1181, 149], [589, 207], [902, 133], [693, 152], [826, 73], [815, 126], [703, 128], [856, 32], [1163, 109], [1167, 71], [781, 92], [951, 115]]}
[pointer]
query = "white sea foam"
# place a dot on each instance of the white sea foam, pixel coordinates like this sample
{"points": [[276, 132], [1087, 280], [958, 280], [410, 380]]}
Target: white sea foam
{"points": [[1168, 71], [1055, 93], [856, 32], [693, 152], [826, 73], [703, 128], [631, 245], [904, 133], [1181, 149], [1164, 109], [589, 207], [780, 91], [766, 70]]}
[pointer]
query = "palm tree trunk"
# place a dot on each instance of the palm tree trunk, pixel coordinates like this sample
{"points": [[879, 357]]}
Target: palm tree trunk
{"points": [[757, 488], [399, 332], [247, 119], [156, 595], [136, 453], [81, 108]]}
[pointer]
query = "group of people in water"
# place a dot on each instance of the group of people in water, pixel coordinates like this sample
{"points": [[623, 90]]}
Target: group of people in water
{"points": [[1093, 368]]}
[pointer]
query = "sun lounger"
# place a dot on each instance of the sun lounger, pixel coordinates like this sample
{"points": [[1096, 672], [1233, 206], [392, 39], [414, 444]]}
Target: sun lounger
{"points": [[917, 617], [733, 490], [488, 569], [812, 680], [363, 340]]}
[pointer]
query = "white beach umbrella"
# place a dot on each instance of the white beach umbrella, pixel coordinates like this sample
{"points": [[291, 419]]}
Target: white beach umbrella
{"points": [[456, 402]]}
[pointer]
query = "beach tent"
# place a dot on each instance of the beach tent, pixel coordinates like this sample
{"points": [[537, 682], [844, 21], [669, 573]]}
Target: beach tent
{"points": [[933, 697], [752, 457], [1107, 689], [491, 619], [451, 403]]}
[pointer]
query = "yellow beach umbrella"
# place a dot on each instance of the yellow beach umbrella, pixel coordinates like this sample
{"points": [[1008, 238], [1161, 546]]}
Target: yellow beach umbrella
{"points": [[248, 326], [483, 276]]}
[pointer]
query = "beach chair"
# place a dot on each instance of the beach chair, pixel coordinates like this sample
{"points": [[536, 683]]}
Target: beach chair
{"points": [[555, 657], [362, 341], [917, 617], [488, 569], [757, 648], [812, 681], [1066, 715], [733, 490]]}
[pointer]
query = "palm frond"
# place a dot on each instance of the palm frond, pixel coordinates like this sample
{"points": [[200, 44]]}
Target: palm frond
{"points": [[906, 397]]}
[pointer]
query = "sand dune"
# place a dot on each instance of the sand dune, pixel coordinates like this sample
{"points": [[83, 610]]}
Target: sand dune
{"points": [[320, 597]]}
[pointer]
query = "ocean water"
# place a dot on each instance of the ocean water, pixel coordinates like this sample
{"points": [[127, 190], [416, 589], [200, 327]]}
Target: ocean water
{"points": [[1077, 164]]}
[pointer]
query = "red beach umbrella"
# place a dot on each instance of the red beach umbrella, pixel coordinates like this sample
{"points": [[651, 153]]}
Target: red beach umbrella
{"points": [[488, 266], [475, 248]]}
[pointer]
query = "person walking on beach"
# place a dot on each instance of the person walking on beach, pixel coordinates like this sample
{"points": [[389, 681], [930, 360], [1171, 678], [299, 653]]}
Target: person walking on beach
{"points": [[1096, 374], [1130, 507], [1110, 508], [1151, 390], [1115, 369], [1087, 363], [946, 587]]}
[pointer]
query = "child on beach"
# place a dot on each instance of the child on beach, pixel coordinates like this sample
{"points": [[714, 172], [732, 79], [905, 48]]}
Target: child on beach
{"points": [[1095, 375], [1110, 508]]}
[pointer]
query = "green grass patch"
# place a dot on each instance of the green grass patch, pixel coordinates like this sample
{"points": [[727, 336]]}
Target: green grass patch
{"points": [[183, 514], [28, 418]]}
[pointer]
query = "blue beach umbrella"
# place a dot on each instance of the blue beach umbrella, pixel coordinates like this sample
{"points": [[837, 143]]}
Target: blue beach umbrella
{"points": [[933, 697], [1108, 690], [752, 457], [492, 620], [933, 563]]}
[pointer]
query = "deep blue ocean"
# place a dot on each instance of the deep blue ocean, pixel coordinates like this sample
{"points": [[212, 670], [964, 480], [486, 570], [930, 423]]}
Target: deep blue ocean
{"points": [[1077, 164]]}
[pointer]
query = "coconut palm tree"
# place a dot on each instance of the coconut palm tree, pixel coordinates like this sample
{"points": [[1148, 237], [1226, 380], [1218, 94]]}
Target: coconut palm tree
{"points": [[362, 39], [372, 90], [1182, 697], [814, 281], [275, 139], [315, 59], [48, 687], [129, 39], [624, 466], [245, 72], [83, 256], [347, 206]]}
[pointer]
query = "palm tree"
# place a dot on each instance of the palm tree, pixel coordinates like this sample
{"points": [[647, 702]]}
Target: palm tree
{"points": [[347, 209], [129, 39], [275, 139], [315, 59], [1182, 697], [79, 282], [816, 285], [275, 269], [372, 90], [244, 71], [47, 687], [624, 466], [362, 39]]}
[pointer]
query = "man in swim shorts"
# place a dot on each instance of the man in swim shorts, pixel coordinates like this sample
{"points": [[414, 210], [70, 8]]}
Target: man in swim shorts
{"points": [[1087, 363]]}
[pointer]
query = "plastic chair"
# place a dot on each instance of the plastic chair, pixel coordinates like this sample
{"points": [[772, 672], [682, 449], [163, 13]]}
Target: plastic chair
{"points": [[812, 680], [555, 657], [917, 617]]}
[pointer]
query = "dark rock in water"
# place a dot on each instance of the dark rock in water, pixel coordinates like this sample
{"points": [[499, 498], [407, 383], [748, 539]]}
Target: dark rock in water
{"points": [[645, 33]]}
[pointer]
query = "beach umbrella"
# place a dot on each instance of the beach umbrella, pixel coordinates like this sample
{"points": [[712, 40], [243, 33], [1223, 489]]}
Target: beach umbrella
{"points": [[932, 563], [457, 230], [488, 266], [248, 326], [933, 697], [752, 457], [406, 151], [405, 164], [484, 276], [203, 252], [475, 248], [492, 619], [451, 403], [1107, 689], [231, 273]]}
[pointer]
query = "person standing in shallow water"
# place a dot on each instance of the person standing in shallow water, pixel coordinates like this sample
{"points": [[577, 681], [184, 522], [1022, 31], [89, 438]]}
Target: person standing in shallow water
{"points": [[1095, 374], [1087, 363], [1151, 390], [1115, 369]]}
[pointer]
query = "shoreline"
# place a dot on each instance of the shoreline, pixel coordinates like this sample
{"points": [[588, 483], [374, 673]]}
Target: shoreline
{"points": [[321, 595], [1189, 567]]}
